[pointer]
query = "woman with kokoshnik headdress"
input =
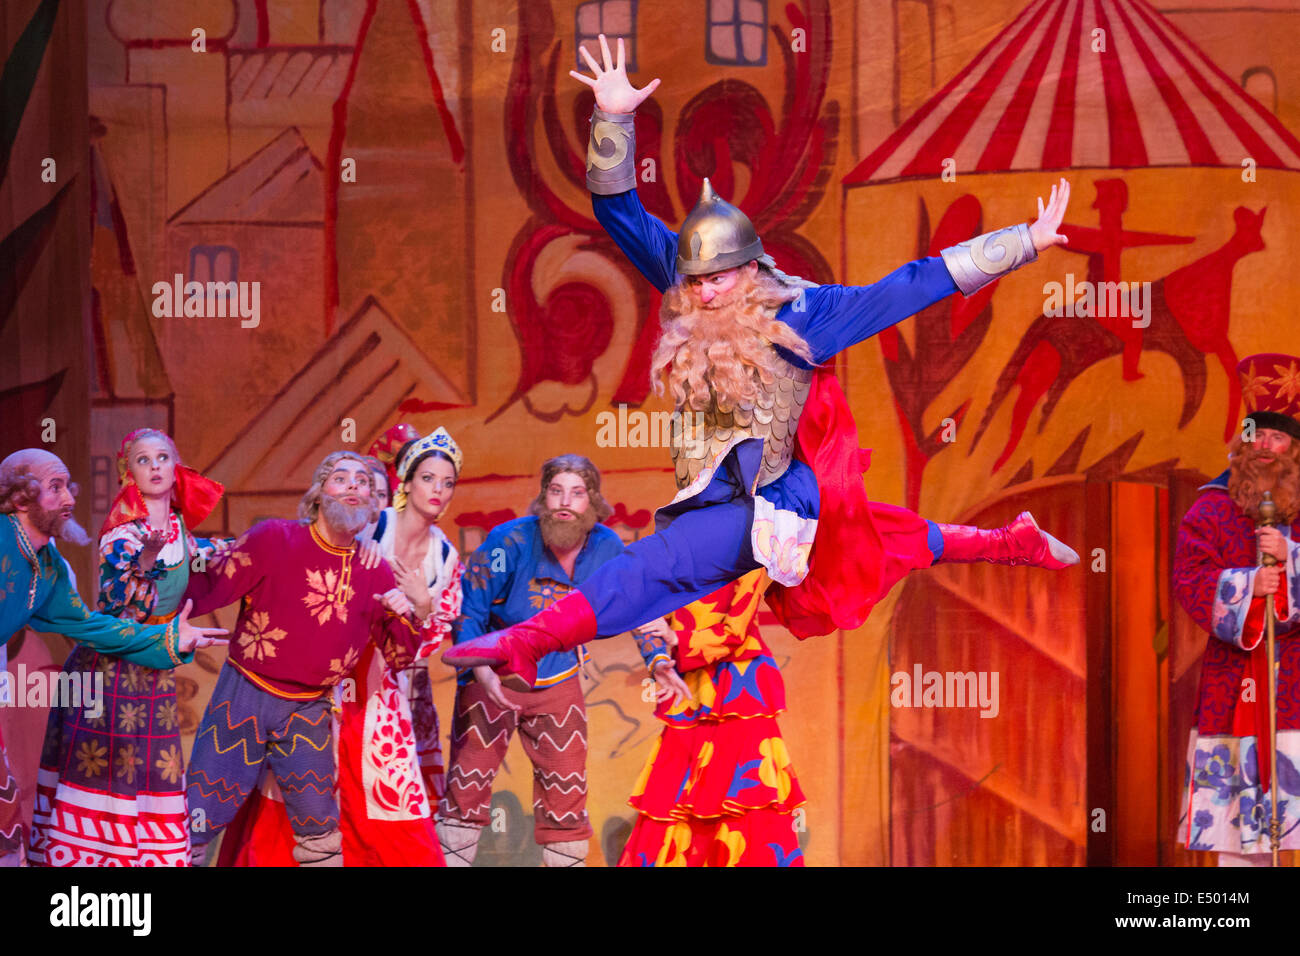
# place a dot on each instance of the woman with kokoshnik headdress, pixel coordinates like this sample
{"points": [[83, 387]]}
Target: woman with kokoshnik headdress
{"points": [[766, 454], [390, 766], [111, 788]]}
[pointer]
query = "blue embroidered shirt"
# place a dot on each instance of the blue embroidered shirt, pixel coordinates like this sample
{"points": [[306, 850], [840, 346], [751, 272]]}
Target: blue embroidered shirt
{"points": [[513, 575]]}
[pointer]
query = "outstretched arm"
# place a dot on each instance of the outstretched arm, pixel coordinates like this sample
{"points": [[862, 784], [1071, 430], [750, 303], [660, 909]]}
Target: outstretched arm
{"points": [[977, 262], [611, 170], [157, 645], [836, 317]]}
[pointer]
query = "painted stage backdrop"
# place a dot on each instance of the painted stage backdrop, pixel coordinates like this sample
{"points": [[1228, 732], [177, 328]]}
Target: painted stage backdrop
{"points": [[396, 188]]}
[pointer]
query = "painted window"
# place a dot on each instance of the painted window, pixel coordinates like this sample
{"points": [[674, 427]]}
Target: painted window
{"points": [[214, 264], [614, 18], [736, 32], [103, 483]]}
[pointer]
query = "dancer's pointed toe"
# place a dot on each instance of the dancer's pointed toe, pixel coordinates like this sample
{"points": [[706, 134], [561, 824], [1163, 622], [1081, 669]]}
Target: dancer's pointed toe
{"points": [[1040, 549], [1059, 554]]}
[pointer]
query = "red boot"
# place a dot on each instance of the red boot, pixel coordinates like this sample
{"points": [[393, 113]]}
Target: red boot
{"points": [[515, 650], [1021, 542]]}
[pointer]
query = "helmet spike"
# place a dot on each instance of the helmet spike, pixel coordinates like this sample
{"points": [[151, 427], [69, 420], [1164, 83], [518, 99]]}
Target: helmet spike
{"points": [[715, 236]]}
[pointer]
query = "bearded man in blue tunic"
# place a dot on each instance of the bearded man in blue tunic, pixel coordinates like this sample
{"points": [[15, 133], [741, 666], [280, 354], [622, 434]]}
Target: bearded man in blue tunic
{"points": [[766, 453]]}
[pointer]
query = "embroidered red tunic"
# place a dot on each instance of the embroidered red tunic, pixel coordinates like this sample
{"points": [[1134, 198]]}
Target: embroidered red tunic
{"points": [[307, 612]]}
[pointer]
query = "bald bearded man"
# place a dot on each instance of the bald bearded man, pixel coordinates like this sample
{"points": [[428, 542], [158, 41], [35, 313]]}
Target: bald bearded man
{"points": [[36, 500]]}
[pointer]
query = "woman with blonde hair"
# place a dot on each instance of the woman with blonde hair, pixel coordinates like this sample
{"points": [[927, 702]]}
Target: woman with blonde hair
{"points": [[111, 789]]}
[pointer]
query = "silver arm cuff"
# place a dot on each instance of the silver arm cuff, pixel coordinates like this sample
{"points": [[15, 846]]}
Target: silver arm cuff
{"points": [[976, 262], [611, 153]]}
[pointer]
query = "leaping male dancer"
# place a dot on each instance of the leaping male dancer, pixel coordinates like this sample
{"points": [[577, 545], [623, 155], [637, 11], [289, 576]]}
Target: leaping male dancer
{"points": [[742, 348]]}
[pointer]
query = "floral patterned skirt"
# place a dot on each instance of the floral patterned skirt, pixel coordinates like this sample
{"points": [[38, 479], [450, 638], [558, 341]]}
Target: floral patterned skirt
{"points": [[1225, 805], [111, 785], [719, 788]]}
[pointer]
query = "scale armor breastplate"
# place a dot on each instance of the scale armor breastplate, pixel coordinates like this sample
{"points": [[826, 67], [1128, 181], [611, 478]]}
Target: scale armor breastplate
{"points": [[700, 436]]}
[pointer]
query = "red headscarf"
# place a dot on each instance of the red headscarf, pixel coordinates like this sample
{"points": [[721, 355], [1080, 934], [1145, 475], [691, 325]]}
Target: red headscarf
{"points": [[193, 495]]}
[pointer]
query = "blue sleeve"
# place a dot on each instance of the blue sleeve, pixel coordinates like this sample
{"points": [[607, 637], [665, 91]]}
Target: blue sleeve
{"points": [[838, 316], [209, 545], [653, 649], [648, 243], [487, 577]]}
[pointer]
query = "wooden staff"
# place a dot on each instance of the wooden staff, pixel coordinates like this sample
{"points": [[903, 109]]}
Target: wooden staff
{"points": [[1267, 519]]}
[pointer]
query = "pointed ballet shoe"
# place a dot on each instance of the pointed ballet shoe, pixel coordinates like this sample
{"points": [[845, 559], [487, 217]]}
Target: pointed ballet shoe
{"points": [[1020, 542], [514, 651]]}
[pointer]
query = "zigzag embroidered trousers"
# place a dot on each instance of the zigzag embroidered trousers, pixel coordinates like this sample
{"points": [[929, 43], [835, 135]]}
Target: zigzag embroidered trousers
{"points": [[244, 727], [553, 731]]}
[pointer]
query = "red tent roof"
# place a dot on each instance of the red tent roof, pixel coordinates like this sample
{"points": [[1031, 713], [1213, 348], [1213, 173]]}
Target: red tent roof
{"points": [[1038, 97]]}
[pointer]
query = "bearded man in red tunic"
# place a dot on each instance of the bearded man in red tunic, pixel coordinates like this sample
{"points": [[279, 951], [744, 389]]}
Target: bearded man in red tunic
{"points": [[308, 608]]}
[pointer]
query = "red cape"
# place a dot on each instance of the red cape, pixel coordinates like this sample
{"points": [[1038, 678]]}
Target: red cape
{"points": [[862, 548]]}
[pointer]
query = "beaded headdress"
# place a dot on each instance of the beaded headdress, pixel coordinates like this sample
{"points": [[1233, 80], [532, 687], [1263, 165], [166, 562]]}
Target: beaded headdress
{"points": [[437, 441]]}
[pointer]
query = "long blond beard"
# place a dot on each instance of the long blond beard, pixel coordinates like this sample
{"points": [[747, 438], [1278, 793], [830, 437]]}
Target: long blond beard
{"points": [[724, 351]]}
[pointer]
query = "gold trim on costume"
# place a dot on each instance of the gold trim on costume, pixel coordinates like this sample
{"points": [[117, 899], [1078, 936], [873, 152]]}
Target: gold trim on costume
{"points": [[28, 552], [172, 641], [276, 691], [329, 548]]}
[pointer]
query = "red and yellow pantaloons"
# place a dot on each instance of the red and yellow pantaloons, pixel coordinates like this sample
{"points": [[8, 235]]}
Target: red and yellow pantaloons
{"points": [[719, 789]]}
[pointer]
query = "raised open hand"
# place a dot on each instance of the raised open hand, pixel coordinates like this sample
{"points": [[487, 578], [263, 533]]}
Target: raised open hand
{"points": [[614, 92], [189, 637], [1043, 231]]}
